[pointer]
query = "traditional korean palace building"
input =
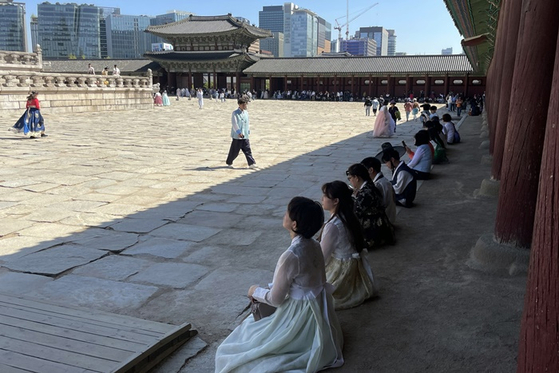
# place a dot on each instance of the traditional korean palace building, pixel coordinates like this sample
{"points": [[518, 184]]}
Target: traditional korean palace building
{"points": [[224, 52]]}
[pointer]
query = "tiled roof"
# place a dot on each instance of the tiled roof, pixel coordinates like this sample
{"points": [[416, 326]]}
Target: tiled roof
{"points": [[195, 25], [128, 67], [441, 64], [192, 56]]}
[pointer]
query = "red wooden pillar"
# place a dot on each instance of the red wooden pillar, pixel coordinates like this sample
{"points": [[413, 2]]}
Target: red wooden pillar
{"points": [[238, 83], [353, 85], [465, 93], [285, 83], [370, 85], [531, 87], [511, 24], [427, 87], [496, 72], [408, 86], [539, 342], [189, 79], [335, 83], [252, 83], [446, 92]]}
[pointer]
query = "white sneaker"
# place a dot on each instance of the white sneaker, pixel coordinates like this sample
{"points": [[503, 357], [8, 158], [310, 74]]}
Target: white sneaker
{"points": [[230, 166], [254, 166]]}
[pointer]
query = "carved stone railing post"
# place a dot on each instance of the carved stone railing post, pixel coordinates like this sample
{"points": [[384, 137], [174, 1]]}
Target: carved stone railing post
{"points": [[2, 57], [81, 80], [59, 81], [49, 81], [39, 57], [119, 82], [23, 81], [37, 81], [150, 78], [9, 80]]}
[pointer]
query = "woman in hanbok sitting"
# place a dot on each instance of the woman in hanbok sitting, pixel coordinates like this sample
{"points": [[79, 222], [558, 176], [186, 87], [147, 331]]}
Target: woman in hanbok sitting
{"points": [[369, 208], [303, 334], [384, 124], [31, 122], [347, 267]]}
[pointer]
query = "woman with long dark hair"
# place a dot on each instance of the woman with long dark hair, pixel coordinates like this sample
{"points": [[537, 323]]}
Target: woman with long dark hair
{"points": [[343, 246], [369, 208], [31, 122]]}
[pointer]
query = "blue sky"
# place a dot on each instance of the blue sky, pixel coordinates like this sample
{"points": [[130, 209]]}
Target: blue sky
{"points": [[421, 29]]}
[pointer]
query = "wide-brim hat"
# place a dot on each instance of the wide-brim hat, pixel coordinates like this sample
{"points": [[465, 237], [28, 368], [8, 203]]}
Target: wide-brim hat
{"points": [[385, 146]]}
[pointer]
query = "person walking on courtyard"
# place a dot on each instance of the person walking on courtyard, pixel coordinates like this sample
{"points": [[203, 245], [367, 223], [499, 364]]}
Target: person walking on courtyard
{"points": [[384, 124], [90, 69], [368, 104], [375, 106], [116, 71], [240, 131], [415, 109], [31, 122], [166, 101], [200, 97], [408, 106]]}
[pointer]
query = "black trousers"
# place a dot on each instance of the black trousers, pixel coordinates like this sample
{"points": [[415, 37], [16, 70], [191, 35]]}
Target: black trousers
{"points": [[238, 145]]}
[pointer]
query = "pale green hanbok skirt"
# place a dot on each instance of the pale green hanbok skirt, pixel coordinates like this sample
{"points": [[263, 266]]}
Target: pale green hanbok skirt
{"points": [[301, 336]]}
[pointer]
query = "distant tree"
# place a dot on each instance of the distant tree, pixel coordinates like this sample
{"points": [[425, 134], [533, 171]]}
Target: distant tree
{"points": [[72, 56]]}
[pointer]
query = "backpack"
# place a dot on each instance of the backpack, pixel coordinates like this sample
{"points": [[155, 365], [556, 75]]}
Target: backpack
{"points": [[440, 155], [456, 137]]}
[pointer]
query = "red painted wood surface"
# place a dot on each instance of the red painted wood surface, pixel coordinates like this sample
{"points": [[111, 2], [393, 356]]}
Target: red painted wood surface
{"points": [[531, 87], [511, 24], [539, 336]]}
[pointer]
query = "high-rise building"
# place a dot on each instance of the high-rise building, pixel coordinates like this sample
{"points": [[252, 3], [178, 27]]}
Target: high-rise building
{"points": [[324, 36], [288, 9], [66, 30], [169, 17], [446, 51], [271, 18], [13, 35], [379, 34], [34, 29], [304, 33], [126, 37], [391, 42], [274, 44], [359, 47]]}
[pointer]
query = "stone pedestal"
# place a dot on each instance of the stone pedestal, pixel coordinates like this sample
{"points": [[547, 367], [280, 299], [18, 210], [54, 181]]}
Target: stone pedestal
{"points": [[484, 145], [487, 160], [488, 188], [490, 256]]}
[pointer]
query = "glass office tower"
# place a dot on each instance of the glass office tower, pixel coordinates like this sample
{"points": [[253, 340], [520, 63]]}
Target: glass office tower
{"points": [[12, 26]]}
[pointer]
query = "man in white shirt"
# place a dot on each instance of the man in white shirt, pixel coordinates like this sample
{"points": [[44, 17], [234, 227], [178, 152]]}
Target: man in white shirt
{"points": [[116, 71], [383, 184], [90, 69]]}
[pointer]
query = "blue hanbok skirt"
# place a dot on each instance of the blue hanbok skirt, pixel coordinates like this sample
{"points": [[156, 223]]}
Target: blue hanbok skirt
{"points": [[31, 123]]}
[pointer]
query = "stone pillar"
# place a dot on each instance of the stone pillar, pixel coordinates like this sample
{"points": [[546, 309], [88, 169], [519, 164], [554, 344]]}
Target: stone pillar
{"points": [[531, 87], [511, 24], [539, 342]]}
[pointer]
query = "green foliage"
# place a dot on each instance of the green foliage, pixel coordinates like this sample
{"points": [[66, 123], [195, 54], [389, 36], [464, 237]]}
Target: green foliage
{"points": [[72, 56]]}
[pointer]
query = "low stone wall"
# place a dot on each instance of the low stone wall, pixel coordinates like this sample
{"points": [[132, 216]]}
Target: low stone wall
{"points": [[21, 73]]}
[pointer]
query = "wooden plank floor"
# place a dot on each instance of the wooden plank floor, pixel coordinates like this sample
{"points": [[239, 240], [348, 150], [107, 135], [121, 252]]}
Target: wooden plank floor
{"points": [[36, 336]]}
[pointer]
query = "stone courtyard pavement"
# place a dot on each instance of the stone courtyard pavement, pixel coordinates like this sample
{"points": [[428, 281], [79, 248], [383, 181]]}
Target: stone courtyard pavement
{"points": [[136, 213]]}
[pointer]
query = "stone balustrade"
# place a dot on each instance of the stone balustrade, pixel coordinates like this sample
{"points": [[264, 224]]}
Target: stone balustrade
{"points": [[21, 73], [21, 60]]}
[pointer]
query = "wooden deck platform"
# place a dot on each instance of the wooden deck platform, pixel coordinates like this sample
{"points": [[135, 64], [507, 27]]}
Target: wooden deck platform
{"points": [[36, 336]]}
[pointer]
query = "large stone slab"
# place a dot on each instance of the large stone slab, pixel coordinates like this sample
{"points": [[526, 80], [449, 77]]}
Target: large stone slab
{"points": [[159, 247], [185, 232], [113, 267], [56, 260], [96, 293], [10, 225], [50, 230], [235, 237], [21, 283], [175, 275], [212, 219], [106, 239], [138, 225]]}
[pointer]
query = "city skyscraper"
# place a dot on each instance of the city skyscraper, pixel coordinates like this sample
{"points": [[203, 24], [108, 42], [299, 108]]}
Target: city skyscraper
{"points": [[305, 34], [126, 37], [446, 51], [391, 42], [273, 44], [66, 30], [379, 34], [13, 35], [359, 47]]}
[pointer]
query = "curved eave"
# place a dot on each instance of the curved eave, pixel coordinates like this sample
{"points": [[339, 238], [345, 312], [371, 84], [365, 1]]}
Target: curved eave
{"points": [[199, 57], [474, 18]]}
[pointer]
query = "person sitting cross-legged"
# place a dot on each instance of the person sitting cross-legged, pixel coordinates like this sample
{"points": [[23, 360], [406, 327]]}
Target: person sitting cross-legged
{"points": [[403, 179]]}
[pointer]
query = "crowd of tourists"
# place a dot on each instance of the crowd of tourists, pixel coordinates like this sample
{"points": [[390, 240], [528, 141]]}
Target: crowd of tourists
{"points": [[293, 324]]}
